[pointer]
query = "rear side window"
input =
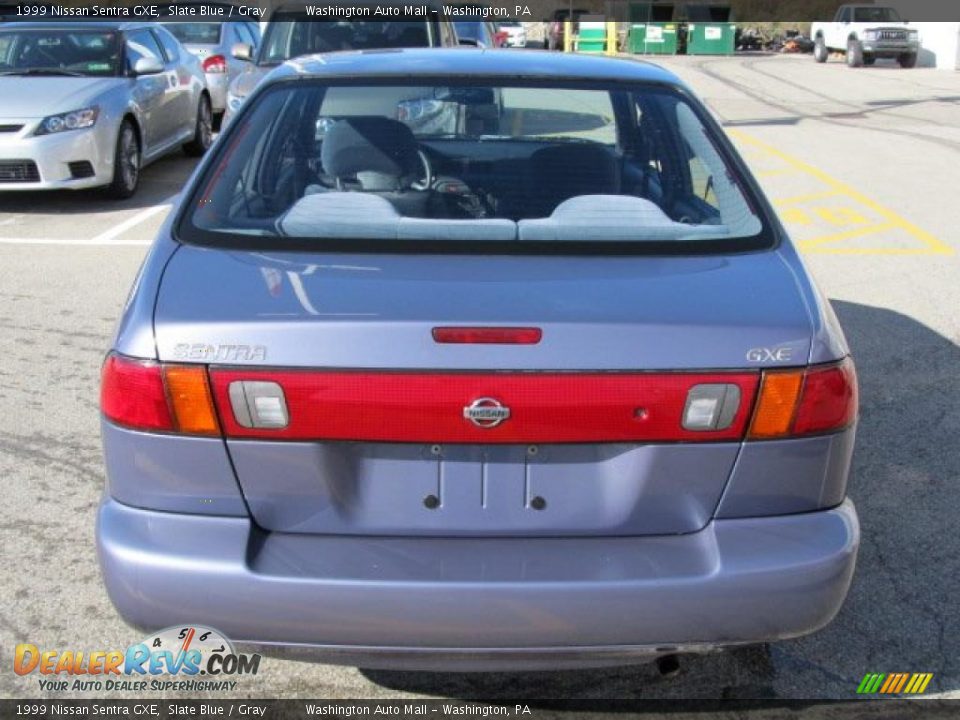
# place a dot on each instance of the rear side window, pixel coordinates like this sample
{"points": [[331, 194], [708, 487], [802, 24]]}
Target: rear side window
{"points": [[474, 168], [474, 31]]}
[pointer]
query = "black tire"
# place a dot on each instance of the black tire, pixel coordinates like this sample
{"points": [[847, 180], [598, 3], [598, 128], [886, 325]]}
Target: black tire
{"points": [[203, 130], [869, 59], [854, 54], [907, 60], [126, 163], [820, 51]]}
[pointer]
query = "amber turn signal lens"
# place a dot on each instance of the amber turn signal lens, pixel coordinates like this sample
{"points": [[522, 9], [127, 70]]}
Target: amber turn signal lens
{"points": [[777, 404], [190, 399]]}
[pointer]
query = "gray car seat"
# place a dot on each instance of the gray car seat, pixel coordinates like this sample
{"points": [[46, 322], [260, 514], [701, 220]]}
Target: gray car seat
{"points": [[561, 172], [380, 156]]}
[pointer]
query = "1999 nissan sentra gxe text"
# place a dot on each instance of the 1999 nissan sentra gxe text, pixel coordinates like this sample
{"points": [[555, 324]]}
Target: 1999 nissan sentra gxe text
{"points": [[480, 360]]}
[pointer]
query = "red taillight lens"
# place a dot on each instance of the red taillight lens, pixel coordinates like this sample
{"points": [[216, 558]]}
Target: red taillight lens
{"points": [[146, 395], [804, 402], [828, 400], [132, 394], [488, 335], [482, 408], [215, 64]]}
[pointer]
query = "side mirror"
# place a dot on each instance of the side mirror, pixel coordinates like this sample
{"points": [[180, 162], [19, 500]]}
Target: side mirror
{"points": [[242, 51], [147, 66], [469, 42]]}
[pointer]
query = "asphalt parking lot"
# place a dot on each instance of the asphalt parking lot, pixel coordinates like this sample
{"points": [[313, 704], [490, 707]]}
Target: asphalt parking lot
{"points": [[864, 166]]}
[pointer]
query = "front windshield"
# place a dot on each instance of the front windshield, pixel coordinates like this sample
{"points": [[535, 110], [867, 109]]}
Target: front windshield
{"points": [[880, 15], [343, 166], [286, 39], [59, 51]]}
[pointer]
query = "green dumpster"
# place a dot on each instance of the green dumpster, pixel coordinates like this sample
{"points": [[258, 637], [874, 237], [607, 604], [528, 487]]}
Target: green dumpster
{"points": [[653, 39], [592, 37], [711, 38]]}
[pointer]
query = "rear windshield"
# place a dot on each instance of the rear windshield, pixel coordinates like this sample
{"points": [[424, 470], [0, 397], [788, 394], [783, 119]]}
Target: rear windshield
{"points": [[472, 168], [288, 38], [198, 33]]}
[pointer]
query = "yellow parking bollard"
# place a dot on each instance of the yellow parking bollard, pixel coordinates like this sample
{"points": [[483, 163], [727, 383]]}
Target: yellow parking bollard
{"points": [[611, 38]]}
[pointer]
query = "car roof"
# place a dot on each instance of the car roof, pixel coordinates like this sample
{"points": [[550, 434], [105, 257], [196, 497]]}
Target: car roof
{"points": [[407, 62]]}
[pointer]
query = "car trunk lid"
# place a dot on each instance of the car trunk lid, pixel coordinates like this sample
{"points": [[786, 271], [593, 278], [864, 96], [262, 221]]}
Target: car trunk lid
{"points": [[379, 439]]}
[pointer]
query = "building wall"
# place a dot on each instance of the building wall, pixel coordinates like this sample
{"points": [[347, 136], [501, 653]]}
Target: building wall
{"points": [[940, 40], [940, 44]]}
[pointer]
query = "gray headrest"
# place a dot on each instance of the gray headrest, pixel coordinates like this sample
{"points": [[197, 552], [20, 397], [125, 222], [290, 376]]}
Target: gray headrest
{"points": [[369, 144]]}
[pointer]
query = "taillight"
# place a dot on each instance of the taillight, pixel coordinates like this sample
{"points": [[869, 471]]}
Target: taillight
{"points": [[215, 64], [805, 402], [146, 395], [132, 394], [828, 401]]}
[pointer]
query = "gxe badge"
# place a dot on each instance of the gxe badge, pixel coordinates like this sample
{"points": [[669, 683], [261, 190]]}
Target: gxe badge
{"points": [[486, 412]]}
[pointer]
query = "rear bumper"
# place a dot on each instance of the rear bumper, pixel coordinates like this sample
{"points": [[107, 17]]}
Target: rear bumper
{"points": [[487, 603]]}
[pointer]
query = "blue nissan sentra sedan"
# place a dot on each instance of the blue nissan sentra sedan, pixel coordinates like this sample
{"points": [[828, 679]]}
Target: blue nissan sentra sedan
{"points": [[477, 360]]}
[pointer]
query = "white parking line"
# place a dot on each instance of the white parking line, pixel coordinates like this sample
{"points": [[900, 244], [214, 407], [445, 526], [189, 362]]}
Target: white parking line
{"points": [[109, 237], [59, 241]]}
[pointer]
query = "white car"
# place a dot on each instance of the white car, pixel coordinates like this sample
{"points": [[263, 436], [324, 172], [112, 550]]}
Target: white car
{"points": [[516, 33], [89, 104], [865, 33]]}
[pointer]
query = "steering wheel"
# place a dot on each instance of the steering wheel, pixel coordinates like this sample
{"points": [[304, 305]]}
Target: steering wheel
{"points": [[425, 182]]}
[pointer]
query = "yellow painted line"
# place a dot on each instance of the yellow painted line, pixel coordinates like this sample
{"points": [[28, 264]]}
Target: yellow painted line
{"points": [[933, 244], [923, 685], [914, 683], [836, 237], [806, 198], [867, 251], [778, 171], [841, 216]]}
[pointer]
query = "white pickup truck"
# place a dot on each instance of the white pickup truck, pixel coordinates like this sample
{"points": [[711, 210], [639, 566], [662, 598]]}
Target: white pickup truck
{"points": [[865, 33]]}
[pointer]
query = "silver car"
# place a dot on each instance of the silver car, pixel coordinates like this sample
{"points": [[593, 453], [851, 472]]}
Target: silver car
{"points": [[291, 34], [212, 42], [89, 104]]}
